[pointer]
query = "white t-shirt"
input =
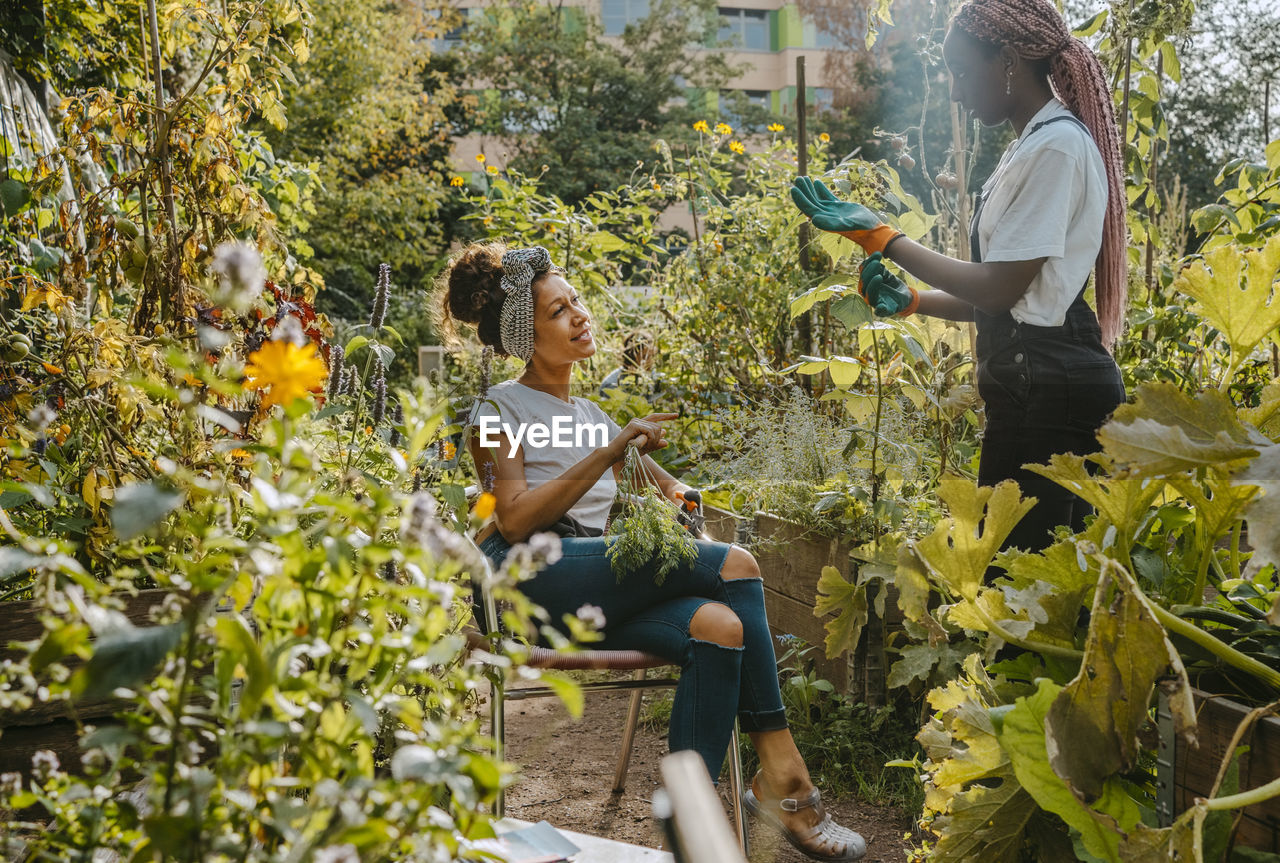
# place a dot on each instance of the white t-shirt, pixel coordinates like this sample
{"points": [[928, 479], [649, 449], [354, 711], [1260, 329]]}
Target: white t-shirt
{"points": [[1046, 198], [554, 435]]}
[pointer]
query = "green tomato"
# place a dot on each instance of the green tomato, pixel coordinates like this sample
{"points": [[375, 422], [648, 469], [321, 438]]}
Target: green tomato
{"points": [[14, 348], [126, 228]]}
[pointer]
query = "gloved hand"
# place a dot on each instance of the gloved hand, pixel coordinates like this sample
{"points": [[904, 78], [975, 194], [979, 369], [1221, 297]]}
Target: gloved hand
{"points": [[883, 291], [841, 217]]}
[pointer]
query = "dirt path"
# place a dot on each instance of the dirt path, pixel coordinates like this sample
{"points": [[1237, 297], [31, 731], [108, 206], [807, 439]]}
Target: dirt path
{"points": [[568, 769]]}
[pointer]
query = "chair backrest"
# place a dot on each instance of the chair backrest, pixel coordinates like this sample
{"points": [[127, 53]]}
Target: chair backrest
{"points": [[691, 813]]}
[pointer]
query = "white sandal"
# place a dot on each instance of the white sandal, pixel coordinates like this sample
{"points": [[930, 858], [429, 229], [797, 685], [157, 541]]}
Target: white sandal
{"points": [[847, 844]]}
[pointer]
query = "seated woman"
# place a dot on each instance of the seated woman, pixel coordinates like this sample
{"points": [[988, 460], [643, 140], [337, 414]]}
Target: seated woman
{"points": [[708, 616]]}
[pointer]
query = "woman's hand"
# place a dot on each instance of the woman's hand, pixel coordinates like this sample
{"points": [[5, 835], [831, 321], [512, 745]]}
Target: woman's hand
{"points": [[845, 218], [883, 291], [647, 432]]}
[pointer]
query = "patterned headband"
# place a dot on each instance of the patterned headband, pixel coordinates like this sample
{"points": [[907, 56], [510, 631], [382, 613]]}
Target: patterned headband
{"points": [[519, 268]]}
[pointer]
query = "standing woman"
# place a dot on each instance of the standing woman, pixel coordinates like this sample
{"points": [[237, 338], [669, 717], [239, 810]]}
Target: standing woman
{"points": [[1053, 210]]}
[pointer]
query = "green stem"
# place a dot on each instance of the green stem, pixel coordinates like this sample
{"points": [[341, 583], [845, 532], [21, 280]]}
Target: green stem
{"points": [[1244, 798], [1225, 652]]}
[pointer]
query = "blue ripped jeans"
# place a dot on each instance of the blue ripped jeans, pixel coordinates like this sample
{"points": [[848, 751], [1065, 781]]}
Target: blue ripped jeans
{"points": [[717, 683]]}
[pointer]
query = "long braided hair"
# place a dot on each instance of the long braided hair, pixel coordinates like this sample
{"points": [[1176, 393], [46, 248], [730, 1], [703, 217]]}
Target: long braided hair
{"points": [[1037, 32]]}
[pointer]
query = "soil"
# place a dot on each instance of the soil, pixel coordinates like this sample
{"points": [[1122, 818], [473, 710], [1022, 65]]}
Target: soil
{"points": [[567, 771]]}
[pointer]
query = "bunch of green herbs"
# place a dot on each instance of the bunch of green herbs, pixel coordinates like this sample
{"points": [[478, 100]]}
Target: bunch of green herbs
{"points": [[646, 532]]}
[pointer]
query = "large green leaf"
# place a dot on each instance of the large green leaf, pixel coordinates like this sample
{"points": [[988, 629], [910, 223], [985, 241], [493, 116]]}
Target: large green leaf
{"points": [[140, 506], [1093, 725], [126, 657], [1122, 501], [236, 640], [1234, 288], [979, 811], [962, 546], [1102, 827], [849, 602], [1165, 432]]}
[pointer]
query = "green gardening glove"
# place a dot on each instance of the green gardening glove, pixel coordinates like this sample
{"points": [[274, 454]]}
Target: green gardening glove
{"points": [[846, 218], [883, 291]]}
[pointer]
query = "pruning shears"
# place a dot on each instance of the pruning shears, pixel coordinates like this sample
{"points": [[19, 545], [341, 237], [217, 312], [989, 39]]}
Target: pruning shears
{"points": [[691, 515]]}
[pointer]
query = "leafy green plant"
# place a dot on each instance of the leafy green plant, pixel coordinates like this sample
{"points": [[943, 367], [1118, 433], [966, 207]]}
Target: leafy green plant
{"points": [[646, 530]]}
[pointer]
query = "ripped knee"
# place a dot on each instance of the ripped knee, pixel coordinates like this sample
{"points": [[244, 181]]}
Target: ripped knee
{"points": [[716, 623], [739, 563]]}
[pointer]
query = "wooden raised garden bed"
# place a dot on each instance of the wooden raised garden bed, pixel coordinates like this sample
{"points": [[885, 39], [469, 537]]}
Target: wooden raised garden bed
{"points": [[791, 559], [1191, 772], [50, 725]]}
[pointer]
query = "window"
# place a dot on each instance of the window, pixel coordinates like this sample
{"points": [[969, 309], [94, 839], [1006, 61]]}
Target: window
{"points": [[617, 14], [746, 28], [815, 37]]}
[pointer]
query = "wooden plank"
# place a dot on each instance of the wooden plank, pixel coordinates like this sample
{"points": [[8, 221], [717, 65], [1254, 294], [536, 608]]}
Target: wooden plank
{"points": [[791, 557], [1196, 769], [20, 621], [788, 616], [722, 525]]}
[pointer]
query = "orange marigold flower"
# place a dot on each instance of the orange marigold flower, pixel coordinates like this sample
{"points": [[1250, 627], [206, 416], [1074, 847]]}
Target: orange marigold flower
{"points": [[284, 372], [824, 138], [776, 127], [701, 126], [484, 505], [448, 451], [736, 146], [457, 181]]}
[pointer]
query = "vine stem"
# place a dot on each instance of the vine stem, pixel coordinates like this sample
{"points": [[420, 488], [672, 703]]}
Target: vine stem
{"points": [[1225, 652], [1251, 797]]}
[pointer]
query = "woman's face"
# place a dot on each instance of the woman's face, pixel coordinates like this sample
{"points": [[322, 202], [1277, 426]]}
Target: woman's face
{"points": [[978, 77], [561, 324]]}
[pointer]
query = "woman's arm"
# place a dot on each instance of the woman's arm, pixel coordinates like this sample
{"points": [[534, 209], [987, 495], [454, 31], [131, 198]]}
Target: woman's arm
{"points": [[522, 511], [992, 286], [663, 481]]}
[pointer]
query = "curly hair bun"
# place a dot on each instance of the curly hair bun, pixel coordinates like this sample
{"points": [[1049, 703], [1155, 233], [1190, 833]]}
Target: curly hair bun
{"points": [[473, 291]]}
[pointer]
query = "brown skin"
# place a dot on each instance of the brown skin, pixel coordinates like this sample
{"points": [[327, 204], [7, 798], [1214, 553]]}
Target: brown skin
{"points": [[562, 337], [978, 82]]}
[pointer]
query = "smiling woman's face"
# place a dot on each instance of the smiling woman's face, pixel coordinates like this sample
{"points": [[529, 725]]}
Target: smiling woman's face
{"points": [[978, 77], [561, 324]]}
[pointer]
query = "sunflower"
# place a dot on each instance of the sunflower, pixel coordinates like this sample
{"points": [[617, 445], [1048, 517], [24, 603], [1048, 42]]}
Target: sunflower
{"points": [[776, 127], [723, 129], [701, 126], [284, 372], [457, 181], [736, 146]]}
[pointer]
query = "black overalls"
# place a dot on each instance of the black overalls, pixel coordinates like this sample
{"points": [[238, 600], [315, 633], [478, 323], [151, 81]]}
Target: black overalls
{"points": [[1047, 390]]}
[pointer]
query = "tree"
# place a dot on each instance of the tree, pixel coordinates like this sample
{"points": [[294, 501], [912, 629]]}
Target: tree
{"points": [[588, 107], [375, 110]]}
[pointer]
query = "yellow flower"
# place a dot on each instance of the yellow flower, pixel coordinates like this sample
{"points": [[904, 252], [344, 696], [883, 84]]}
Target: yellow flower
{"points": [[492, 169], [701, 126], [657, 187], [484, 505], [285, 371], [480, 158], [824, 138], [736, 146], [448, 450], [723, 129], [457, 181], [775, 127]]}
